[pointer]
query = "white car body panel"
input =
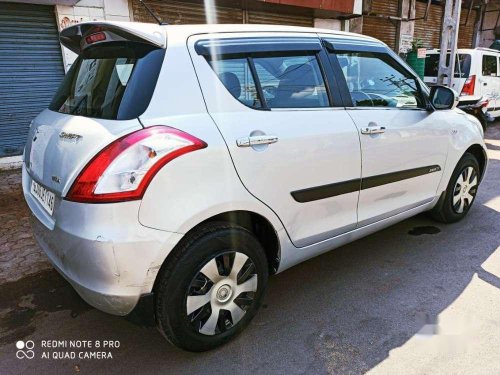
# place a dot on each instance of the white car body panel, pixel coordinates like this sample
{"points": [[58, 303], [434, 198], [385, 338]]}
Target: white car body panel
{"points": [[310, 141], [413, 139]]}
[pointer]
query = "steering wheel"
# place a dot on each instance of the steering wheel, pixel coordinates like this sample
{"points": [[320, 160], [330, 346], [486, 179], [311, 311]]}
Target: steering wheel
{"points": [[364, 96]]}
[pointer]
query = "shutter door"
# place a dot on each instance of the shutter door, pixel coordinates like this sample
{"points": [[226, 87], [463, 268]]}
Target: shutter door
{"points": [[259, 17], [181, 13], [429, 32], [31, 69], [466, 32], [382, 28]]}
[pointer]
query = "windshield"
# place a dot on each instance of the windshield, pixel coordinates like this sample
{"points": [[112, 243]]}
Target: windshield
{"points": [[113, 81], [462, 65]]}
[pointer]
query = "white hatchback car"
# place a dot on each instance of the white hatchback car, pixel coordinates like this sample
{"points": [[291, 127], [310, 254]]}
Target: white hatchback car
{"points": [[178, 166]]}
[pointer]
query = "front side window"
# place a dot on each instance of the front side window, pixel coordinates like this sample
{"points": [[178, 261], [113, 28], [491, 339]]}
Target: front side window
{"points": [[489, 65], [376, 80], [462, 65], [264, 81]]}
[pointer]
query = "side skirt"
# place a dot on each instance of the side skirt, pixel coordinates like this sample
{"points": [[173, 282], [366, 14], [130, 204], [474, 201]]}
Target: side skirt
{"points": [[291, 255]]}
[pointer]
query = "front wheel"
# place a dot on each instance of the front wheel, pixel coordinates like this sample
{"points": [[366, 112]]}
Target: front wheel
{"points": [[460, 193], [212, 287]]}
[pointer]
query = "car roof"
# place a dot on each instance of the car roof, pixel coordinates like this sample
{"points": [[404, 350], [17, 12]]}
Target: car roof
{"points": [[234, 28]]}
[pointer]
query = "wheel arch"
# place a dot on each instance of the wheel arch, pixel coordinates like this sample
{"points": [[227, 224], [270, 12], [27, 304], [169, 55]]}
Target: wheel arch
{"points": [[257, 224], [480, 154]]}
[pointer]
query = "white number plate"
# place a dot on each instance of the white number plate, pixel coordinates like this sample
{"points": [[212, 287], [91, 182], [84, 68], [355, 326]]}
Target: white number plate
{"points": [[42, 195]]}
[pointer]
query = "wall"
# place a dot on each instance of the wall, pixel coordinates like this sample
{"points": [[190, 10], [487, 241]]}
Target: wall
{"points": [[89, 10], [326, 23]]}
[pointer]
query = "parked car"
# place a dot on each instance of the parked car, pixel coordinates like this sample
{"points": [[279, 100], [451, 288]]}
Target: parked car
{"points": [[163, 175], [477, 76]]}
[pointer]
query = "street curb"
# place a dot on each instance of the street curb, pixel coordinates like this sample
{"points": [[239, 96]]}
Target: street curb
{"points": [[10, 163]]}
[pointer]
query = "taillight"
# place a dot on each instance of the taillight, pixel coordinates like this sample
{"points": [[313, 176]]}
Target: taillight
{"points": [[123, 170], [469, 86]]}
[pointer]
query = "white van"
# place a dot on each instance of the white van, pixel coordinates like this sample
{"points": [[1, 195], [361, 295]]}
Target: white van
{"points": [[476, 75]]}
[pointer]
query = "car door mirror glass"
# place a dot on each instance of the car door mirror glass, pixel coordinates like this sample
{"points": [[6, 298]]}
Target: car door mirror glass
{"points": [[443, 97]]}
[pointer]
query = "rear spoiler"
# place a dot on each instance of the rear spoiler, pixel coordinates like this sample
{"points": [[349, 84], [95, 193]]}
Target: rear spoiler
{"points": [[76, 38]]}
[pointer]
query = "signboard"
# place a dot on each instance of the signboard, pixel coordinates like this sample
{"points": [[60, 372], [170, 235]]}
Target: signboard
{"points": [[421, 53], [405, 43]]}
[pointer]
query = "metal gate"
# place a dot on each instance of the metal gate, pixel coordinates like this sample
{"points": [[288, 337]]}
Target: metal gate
{"points": [[180, 12], [31, 69], [378, 25], [428, 32]]}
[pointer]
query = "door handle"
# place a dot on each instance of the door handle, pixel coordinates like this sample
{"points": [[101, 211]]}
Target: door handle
{"points": [[256, 140], [373, 130]]}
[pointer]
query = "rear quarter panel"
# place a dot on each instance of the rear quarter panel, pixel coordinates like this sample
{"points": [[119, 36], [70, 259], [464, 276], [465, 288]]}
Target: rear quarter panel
{"points": [[200, 184]]}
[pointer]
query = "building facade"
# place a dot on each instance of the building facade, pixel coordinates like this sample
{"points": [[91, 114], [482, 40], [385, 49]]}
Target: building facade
{"points": [[33, 62]]}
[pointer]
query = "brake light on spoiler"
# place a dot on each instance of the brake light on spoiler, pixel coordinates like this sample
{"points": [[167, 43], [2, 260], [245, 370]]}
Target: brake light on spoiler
{"points": [[123, 170], [96, 37]]}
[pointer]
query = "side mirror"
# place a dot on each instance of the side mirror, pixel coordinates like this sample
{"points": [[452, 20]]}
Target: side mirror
{"points": [[442, 97]]}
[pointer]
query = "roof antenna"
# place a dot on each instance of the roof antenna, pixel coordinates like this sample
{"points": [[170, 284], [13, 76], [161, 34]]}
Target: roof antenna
{"points": [[158, 19]]}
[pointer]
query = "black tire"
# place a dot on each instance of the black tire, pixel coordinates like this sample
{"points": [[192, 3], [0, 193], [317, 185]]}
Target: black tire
{"points": [[446, 211], [183, 268]]}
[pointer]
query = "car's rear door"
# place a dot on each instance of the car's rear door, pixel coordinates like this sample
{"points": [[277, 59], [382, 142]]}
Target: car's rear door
{"points": [[293, 145], [404, 146], [489, 81]]}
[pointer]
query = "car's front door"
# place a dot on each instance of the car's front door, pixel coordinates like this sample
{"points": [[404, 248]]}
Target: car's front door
{"points": [[293, 145], [403, 145]]}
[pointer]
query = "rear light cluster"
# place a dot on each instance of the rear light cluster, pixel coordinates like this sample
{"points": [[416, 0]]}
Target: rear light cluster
{"points": [[97, 37], [469, 86], [123, 170]]}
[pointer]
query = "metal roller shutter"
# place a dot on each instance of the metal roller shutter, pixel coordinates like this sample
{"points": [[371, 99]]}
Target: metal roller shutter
{"points": [[261, 17], [379, 27], [31, 69], [466, 32], [178, 12], [429, 32]]}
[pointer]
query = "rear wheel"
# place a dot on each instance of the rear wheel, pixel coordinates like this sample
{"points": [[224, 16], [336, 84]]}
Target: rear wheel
{"points": [[461, 191], [212, 287]]}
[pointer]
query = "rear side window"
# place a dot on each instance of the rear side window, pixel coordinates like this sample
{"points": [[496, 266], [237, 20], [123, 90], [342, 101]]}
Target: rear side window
{"points": [[112, 81], [462, 65], [274, 81], [291, 81], [490, 65], [237, 77], [376, 80]]}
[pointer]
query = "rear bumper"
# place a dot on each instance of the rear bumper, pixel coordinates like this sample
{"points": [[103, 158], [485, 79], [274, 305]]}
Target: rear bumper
{"points": [[101, 249]]}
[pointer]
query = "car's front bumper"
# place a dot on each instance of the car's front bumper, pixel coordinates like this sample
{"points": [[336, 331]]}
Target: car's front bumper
{"points": [[101, 249]]}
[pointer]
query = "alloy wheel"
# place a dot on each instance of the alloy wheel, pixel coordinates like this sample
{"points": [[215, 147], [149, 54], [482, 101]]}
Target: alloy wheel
{"points": [[465, 190], [221, 293]]}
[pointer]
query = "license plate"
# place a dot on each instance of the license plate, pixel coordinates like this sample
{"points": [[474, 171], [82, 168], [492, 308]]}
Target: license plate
{"points": [[45, 197]]}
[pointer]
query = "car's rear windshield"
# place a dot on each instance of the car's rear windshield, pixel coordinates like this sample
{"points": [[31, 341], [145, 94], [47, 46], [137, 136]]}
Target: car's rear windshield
{"points": [[462, 65], [112, 81]]}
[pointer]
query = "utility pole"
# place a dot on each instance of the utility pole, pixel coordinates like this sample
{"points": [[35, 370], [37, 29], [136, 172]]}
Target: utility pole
{"points": [[451, 23]]}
